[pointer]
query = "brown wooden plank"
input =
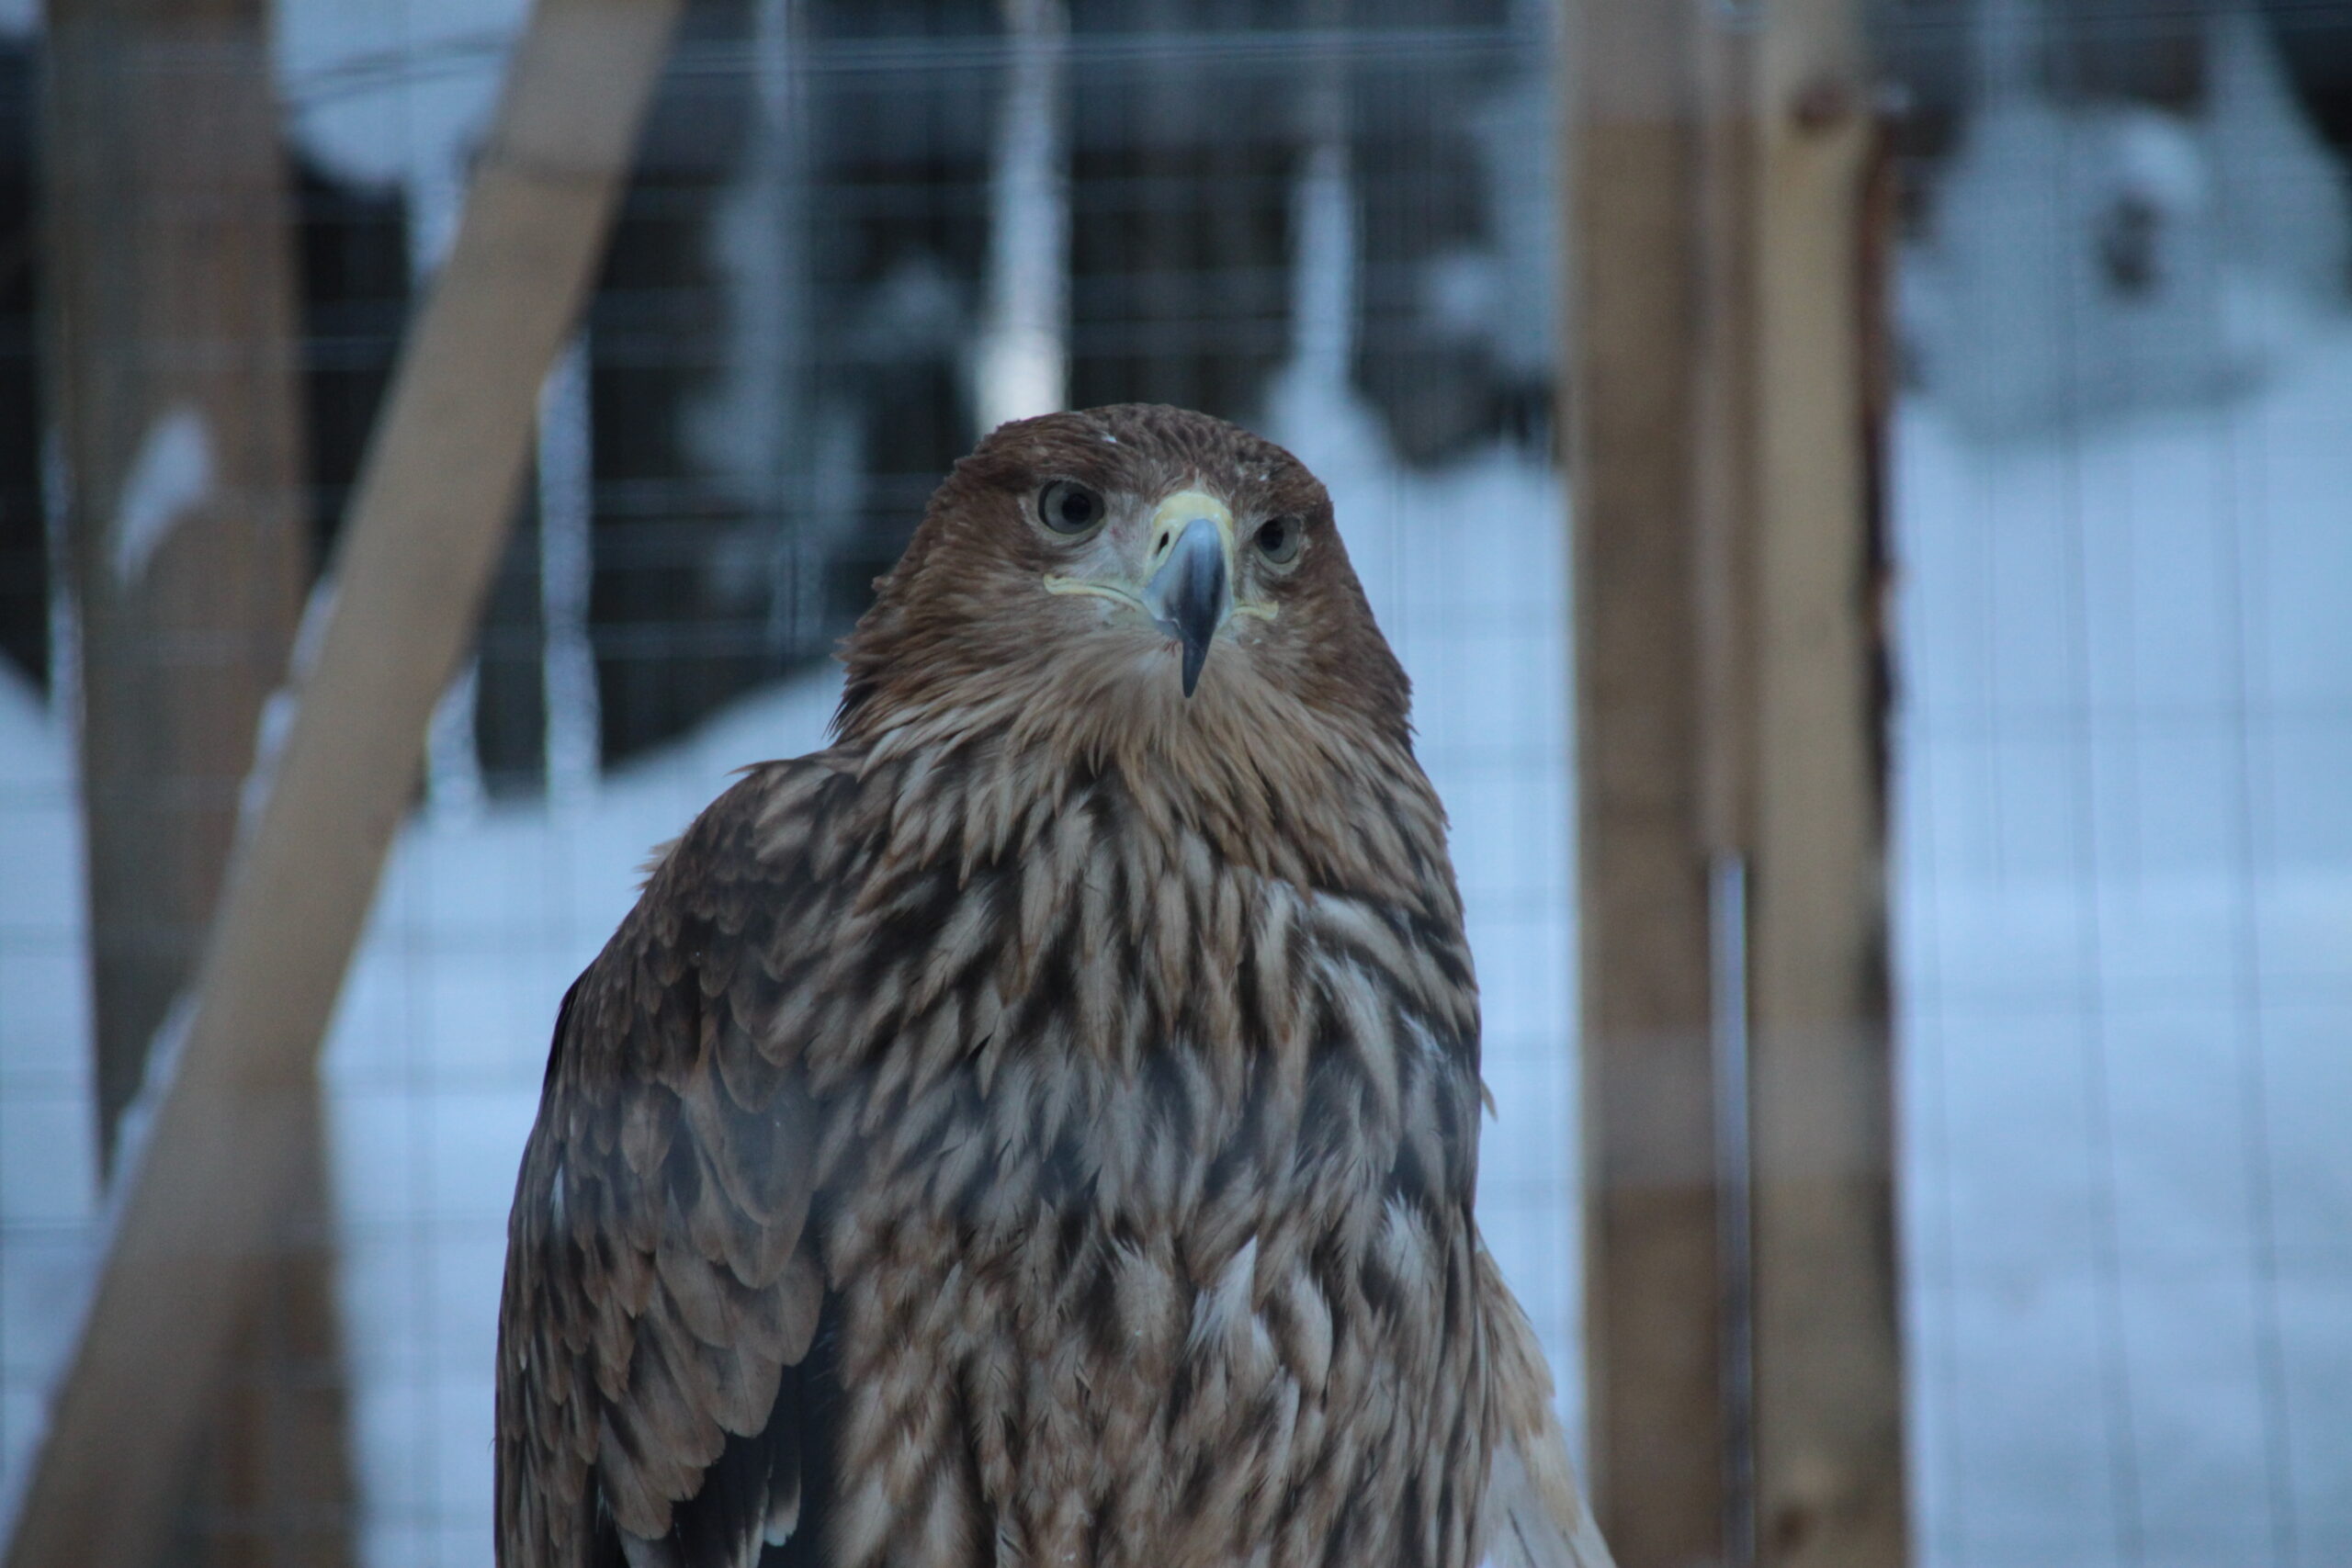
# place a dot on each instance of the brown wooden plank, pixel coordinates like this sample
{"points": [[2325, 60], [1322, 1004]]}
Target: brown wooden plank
{"points": [[223, 1158], [1634, 318], [270, 1484], [1829, 1388], [1728, 728]]}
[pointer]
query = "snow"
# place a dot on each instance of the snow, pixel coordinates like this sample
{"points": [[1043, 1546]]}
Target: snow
{"points": [[2123, 879], [47, 1142], [1507, 295], [566, 481], [2124, 921], [394, 93], [454, 784], [170, 476], [1020, 361], [762, 422], [2087, 258]]}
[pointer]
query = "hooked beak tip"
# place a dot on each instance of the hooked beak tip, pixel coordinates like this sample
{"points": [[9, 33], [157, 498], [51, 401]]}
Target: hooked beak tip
{"points": [[1187, 595]]}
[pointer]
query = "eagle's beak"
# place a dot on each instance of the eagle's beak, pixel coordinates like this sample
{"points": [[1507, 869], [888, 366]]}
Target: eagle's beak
{"points": [[1191, 589]]}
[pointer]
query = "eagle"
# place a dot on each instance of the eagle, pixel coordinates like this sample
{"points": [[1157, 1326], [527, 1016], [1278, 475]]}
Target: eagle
{"points": [[1041, 1126]]}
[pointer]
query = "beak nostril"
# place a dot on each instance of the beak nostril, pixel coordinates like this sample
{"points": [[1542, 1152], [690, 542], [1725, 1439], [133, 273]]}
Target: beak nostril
{"points": [[1188, 595]]}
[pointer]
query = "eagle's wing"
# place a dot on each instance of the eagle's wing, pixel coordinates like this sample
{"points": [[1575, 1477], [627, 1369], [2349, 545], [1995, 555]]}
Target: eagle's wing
{"points": [[661, 1378], [1537, 1517]]}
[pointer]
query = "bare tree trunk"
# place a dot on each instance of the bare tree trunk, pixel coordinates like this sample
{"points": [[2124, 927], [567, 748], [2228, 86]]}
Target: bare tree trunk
{"points": [[171, 332], [171, 307]]}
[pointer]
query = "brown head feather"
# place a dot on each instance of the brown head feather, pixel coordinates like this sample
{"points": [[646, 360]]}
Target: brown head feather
{"points": [[1294, 756]]}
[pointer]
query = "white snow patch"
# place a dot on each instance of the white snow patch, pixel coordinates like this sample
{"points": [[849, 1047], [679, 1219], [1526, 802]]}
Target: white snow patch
{"points": [[1021, 361], [2088, 261], [47, 1143], [170, 477], [393, 93], [1507, 295], [572, 750], [2123, 925]]}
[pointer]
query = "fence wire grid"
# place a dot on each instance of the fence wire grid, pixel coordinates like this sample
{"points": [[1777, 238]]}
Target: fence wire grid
{"points": [[2122, 873]]}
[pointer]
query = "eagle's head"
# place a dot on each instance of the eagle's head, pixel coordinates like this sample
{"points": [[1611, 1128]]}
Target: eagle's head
{"points": [[1141, 588], [1131, 565]]}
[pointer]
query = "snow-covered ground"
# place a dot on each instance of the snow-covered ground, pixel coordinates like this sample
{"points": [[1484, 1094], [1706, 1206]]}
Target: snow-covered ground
{"points": [[48, 1130], [2123, 880], [2124, 905]]}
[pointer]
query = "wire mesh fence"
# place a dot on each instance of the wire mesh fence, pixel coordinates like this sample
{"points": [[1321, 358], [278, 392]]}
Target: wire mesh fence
{"points": [[2122, 857], [2122, 870]]}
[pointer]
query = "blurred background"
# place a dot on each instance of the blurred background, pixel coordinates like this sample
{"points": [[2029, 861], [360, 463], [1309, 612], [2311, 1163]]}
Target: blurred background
{"points": [[2112, 354]]}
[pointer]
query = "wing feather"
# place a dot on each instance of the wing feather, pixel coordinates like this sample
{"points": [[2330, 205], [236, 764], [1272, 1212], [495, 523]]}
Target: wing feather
{"points": [[656, 1393]]}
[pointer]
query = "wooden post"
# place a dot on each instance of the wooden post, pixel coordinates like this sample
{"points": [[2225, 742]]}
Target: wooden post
{"points": [[1652, 1293], [1745, 1374], [169, 298], [1828, 1364], [221, 1161]]}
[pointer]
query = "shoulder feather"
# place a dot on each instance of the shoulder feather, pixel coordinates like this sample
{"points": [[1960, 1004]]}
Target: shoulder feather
{"points": [[658, 1326]]}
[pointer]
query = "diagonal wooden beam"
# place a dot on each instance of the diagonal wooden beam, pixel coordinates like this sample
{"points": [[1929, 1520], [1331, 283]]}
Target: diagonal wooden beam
{"points": [[222, 1156]]}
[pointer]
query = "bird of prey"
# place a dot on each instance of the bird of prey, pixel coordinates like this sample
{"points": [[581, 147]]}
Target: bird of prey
{"points": [[1040, 1127]]}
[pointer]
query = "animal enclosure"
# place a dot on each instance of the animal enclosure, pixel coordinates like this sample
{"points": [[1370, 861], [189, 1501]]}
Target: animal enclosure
{"points": [[2113, 356]]}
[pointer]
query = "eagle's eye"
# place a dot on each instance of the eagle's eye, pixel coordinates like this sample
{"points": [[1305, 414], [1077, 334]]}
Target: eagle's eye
{"points": [[1278, 539], [1067, 507]]}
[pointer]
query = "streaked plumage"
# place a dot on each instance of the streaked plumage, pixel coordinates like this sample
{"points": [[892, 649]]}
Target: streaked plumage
{"points": [[1042, 1127]]}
